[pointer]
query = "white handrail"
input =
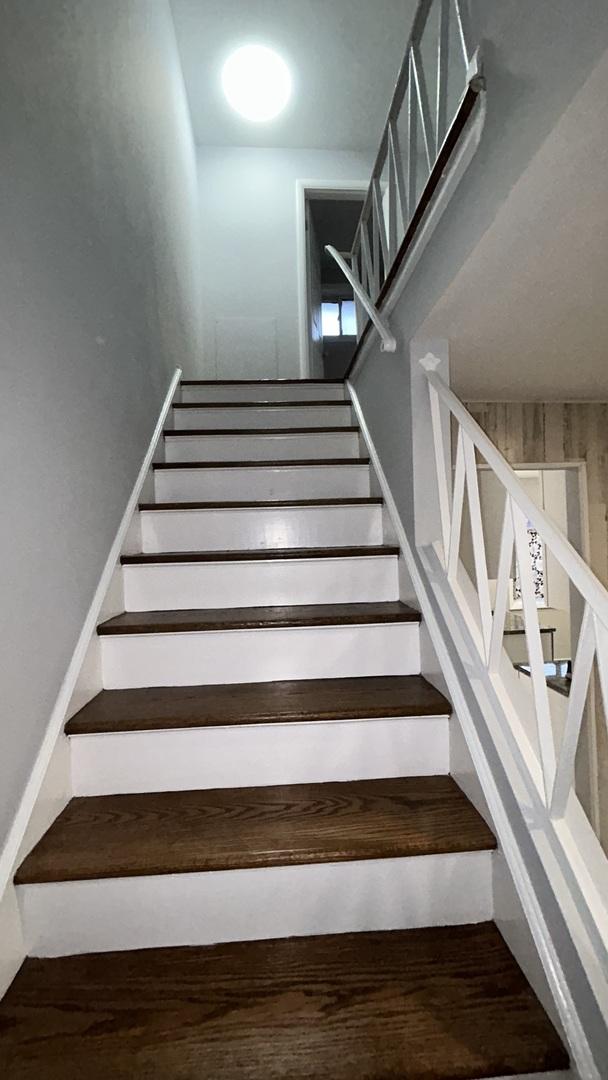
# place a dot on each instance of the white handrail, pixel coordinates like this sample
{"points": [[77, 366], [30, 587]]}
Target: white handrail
{"points": [[389, 343]]}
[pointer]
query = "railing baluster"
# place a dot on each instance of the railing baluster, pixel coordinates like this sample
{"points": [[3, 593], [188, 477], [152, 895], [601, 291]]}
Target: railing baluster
{"points": [[463, 31], [423, 105], [581, 672], [441, 471], [501, 600], [412, 143], [379, 213], [479, 544], [395, 150], [457, 508], [601, 638], [443, 46], [368, 267], [535, 653]]}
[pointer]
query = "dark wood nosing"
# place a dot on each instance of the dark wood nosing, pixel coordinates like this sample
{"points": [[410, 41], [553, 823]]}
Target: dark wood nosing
{"points": [[443, 159], [163, 708], [188, 432], [439, 1003], [201, 620], [332, 402], [261, 555], [263, 504], [290, 463], [261, 382], [200, 831]]}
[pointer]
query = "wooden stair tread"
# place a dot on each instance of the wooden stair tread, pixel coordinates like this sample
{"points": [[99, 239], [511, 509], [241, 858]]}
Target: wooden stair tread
{"points": [[290, 463], [257, 618], [182, 433], [445, 1003], [337, 402], [163, 708], [173, 832], [263, 504], [261, 555]]}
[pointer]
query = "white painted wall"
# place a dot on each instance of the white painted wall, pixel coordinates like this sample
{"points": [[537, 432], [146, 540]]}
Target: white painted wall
{"points": [[98, 302], [248, 234]]}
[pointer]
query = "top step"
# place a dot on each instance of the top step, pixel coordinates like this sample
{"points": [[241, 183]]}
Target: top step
{"points": [[193, 390]]}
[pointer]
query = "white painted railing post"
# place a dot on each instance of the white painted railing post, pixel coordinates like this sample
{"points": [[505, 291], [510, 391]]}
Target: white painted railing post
{"points": [[432, 484]]}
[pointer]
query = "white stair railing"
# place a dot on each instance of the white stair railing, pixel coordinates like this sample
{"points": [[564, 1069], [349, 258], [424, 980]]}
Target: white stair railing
{"points": [[438, 85], [547, 759]]}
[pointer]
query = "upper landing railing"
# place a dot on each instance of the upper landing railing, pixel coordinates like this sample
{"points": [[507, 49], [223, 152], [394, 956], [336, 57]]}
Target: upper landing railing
{"points": [[437, 87]]}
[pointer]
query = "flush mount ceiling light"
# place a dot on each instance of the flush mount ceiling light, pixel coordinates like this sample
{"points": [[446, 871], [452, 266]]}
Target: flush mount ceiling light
{"points": [[256, 82]]}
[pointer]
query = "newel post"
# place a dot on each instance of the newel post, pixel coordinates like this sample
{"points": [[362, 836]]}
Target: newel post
{"points": [[428, 526]]}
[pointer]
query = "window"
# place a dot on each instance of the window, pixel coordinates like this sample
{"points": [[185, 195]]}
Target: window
{"points": [[338, 319]]}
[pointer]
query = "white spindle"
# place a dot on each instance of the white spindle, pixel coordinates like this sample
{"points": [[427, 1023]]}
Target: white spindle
{"points": [[443, 46], [381, 224], [423, 106], [581, 671], [503, 578], [535, 652], [457, 508], [479, 544], [463, 30], [395, 151], [412, 144], [441, 471]]}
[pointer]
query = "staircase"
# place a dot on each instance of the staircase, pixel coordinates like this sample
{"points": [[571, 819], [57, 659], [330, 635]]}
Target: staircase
{"points": [[266, 869]]}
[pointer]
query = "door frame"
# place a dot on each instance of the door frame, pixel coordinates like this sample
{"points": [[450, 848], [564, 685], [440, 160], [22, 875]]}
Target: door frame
{"points": [[307, 190]]}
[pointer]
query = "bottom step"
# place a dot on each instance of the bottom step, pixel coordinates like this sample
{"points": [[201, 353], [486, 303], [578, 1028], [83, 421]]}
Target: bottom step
{"points": [[445, 1003]]}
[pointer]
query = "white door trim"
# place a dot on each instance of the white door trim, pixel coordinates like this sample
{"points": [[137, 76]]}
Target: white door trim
{"points": [[304, 189]]}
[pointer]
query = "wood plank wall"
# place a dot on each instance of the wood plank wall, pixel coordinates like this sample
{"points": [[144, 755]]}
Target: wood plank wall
{"points": [[536, 431]]}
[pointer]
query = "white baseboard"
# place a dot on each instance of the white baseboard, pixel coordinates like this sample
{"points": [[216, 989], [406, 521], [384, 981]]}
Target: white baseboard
{"points": [[68, 917], [48, 787]]}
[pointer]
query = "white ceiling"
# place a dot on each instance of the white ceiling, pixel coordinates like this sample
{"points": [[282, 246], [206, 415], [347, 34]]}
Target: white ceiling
{"points": [[527, 314], [344, 56]]}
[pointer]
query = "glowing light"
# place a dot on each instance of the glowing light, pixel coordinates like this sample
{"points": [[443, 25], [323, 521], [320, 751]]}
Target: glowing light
{"points": [[256, 82]]}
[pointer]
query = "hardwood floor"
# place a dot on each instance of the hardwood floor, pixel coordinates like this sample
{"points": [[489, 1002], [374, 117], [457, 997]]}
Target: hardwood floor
{"points": [[260, 555], [173, 832], [446, 1003], [165, 622], [160, 708], [291, 463], [362, 500]]}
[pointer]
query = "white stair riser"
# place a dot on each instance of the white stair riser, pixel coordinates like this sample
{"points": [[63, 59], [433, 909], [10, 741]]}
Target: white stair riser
{"points": [[299, 482], [256, 528], [167, 587], [299, 391], [257, 755], [243, 905], [259, 655], [329, 444], [307, 416]]}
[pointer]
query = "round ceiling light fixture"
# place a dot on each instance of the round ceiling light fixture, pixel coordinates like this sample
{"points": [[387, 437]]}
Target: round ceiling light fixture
{"points": [[256, 82]]}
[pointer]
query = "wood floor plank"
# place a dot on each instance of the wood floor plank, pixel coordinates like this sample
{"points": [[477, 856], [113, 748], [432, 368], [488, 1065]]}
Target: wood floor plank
{"points": [[261, 504], [202, 619], [289, 463], [447, 1003], [184, 433], [164, 707], [235, 828], [321, 403], [260, 382], [261, 554]]}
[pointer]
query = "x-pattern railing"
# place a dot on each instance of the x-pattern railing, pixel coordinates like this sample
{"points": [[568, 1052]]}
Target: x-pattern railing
{"points": [[557, 762], [421, 116]]}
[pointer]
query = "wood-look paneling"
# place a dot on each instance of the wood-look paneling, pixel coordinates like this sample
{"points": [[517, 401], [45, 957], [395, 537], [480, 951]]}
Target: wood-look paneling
{"points": [[446, 1003], [552, 432]]}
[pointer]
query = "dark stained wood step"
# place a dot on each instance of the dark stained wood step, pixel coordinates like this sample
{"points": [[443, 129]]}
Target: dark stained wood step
{"points": [[261, 555], [337, 402], [262, 504], [441, 1003], [173, 832], [260, 382], [257, 618], [168, 707], [188, 432], [291, 463]]}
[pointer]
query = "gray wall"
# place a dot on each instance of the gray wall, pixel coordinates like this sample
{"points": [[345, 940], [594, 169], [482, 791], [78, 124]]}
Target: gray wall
{"points": [[98, 303], [248, 230]]}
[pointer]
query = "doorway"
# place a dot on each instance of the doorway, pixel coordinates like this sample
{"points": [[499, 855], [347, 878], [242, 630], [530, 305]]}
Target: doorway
{"points": [[327, 214]]}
